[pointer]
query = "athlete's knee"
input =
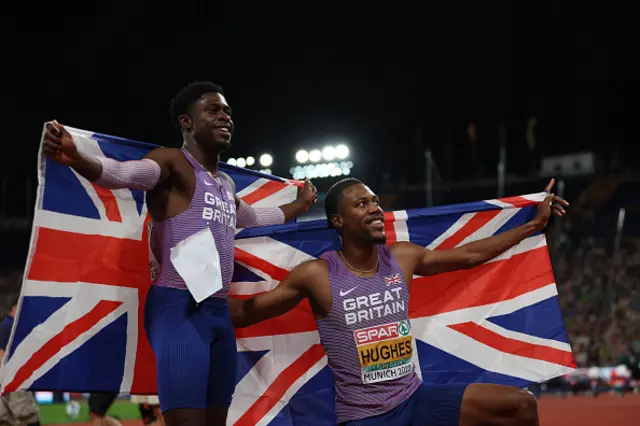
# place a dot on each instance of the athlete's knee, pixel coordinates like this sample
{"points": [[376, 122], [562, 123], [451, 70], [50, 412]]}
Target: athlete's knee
{"points": [[526, 407], [185, 417], [217, 416], [496, 405]]}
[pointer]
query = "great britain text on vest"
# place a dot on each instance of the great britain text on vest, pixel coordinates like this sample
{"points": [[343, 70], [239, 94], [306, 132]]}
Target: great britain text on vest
{"points": [[372, 306], [221, 211]]}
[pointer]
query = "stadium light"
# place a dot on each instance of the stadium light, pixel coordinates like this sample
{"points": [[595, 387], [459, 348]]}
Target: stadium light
{"points": [[322, 170], [250, 161], [267, 171], [315, 155], [266, 160], [302, 156], [331, 161], [329, 153], [232, 162], [241, 162], [342, 151]]}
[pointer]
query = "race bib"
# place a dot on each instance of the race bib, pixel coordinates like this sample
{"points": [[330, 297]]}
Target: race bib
{"points": [[385, 351]]}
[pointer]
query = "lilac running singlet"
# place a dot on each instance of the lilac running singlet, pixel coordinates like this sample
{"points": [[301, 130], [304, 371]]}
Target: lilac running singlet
{"points": [[212, 205], [367, 338]]}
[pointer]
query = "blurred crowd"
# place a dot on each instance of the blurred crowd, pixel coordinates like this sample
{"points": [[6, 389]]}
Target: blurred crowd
{"points": [[599, 295], [596, 260]]}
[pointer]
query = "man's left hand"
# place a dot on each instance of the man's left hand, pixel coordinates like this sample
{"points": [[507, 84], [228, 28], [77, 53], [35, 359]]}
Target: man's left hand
{"points": [[551, 204], [307, 194]]}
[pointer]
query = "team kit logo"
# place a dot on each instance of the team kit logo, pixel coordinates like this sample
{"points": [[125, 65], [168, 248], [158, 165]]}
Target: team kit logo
{"points": [[385, 351]]}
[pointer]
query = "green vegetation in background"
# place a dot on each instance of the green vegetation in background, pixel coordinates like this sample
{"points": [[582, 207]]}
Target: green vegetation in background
{"points": [[55, 413]]}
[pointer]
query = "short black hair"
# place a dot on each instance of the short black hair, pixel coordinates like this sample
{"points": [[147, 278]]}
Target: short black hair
{"points": [[334, 196], [181, 103]]}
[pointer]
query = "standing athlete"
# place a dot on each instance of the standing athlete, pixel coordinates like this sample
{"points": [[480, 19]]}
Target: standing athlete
{"points": [[194, 344], [15, 407], [365, 286]]}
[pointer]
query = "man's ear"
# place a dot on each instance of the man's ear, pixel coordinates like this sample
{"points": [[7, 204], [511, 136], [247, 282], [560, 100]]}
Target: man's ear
{"points": [[337, 221], [185, 122]]}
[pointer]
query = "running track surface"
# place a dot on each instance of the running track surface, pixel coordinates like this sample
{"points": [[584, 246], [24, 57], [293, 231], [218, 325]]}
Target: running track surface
{"points": [[588, 411], [578, 411]]}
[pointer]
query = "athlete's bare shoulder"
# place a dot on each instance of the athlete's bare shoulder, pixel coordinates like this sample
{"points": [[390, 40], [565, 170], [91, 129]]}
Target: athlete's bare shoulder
{"points": [[310, 273], [406, 252], [164, 153], [169, 159], [316, 266], [172, 196], [312, 279], [408, 255]]}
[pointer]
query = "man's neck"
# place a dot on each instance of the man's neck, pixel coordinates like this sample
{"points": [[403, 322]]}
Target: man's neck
{"points": [[207, 160], [360, 255]]}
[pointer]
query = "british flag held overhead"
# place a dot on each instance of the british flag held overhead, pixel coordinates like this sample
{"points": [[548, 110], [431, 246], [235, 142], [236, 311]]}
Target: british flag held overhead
{"points": [[79, 325]]}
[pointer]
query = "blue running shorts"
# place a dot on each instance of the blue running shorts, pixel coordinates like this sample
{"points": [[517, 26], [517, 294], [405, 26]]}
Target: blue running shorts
{"points": [[195, 348], [430, 405]]}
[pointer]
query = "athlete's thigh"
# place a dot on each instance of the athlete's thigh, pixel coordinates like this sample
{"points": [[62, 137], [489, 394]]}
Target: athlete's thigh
{"points": [[181, 340], [222, 364], [436, 404]]}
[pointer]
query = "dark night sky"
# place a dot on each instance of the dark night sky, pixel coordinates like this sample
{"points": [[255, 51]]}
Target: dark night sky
{"points": [[371, 76]]}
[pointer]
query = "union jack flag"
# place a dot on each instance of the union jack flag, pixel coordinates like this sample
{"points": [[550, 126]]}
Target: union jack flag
{"points": [[79, 325], [393, 279]]}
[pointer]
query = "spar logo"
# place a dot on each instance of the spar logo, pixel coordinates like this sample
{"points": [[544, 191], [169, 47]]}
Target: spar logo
{"points": [[379, 333], [403, 328]]}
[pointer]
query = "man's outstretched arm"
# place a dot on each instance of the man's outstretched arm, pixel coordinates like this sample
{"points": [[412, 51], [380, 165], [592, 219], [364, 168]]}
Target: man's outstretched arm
{"points": [[429, 262], [248, 216], [286, 296], [142, 174]]}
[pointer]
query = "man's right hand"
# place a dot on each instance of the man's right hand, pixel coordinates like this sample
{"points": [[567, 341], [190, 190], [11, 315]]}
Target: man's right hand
{"points": [[59, 145]]}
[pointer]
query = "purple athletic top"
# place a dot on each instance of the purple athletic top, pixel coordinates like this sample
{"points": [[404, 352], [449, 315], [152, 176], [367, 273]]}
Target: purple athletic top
{"points": [[213, 205], [367, 338]]}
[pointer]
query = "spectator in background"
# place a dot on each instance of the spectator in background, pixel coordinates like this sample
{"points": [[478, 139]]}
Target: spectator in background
{"points": [[599, 296], [10, 281], [15, 407], [5, 326]]}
